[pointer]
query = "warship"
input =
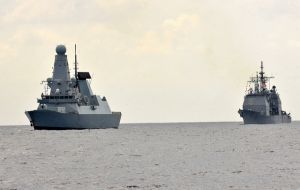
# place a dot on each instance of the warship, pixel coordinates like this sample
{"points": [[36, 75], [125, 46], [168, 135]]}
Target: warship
{"points": [[262, 105], [69, 103]]}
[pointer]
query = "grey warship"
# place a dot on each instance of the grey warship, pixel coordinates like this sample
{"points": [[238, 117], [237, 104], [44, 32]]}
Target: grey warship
{"points": [[69, 103], [262, 105]]}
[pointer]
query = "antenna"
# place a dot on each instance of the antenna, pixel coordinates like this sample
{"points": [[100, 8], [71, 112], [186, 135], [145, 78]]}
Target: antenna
{"points": [[263, 79], [76, 74], [262, 69]]}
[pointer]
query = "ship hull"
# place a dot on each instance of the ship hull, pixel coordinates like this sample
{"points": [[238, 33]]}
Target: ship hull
{"points": [[251, 117], [51, 120]]}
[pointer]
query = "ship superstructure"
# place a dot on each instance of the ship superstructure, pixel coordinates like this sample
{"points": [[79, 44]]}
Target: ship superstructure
{"points": [[69, 103], [262, 104]]}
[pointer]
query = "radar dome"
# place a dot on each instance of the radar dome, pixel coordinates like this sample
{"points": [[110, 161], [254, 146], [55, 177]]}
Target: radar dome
{"points": [[61, 49]]}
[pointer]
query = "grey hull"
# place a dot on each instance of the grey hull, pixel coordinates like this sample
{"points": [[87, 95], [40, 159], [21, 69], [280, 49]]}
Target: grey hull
{"points": [[251, 117], [45, 119]]}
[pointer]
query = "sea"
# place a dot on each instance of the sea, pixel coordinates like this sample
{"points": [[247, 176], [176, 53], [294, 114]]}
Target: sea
{"points": [[171, 156]]}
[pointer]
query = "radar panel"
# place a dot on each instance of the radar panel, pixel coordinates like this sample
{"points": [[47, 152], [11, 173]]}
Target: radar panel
{"points": [[83, 75]]}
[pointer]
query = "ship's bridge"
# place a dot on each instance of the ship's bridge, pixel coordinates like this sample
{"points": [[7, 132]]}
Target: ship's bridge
{"points": [[50, 99]]}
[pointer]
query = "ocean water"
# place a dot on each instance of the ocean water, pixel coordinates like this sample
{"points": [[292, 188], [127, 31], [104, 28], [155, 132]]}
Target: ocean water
{"points": [[213, 156]]}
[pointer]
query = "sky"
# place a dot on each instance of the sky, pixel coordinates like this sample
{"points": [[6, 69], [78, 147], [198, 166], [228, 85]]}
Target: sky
{"points": [[154, 60]]}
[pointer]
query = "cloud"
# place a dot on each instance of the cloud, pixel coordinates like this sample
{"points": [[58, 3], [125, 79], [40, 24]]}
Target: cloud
{"points": [[5, 50], [163, 40], [117, 3], [183, 22], [163, 48], [33, 10]]}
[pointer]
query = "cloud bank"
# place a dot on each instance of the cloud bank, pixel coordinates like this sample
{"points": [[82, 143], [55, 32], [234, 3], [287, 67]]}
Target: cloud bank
{"points": [[155, 61]]}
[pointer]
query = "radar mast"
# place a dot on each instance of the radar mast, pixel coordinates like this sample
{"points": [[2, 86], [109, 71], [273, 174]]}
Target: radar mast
{"points": [[76, 74], [260, 81], [263, 79]]}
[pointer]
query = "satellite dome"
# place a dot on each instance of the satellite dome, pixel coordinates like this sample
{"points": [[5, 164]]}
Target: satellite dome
{"points": [[61, 49]]}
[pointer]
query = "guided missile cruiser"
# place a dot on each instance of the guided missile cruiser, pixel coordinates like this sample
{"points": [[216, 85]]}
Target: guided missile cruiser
{"points": [[262, 105], [69, 103]]}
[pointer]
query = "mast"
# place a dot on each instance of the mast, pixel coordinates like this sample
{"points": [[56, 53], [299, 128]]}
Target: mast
{"points": [[256, 84], [260, 80], [262, 69], [76, 74], [262, 77]]}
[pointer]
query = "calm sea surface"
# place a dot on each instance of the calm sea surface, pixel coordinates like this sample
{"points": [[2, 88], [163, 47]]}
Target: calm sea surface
{"points": [[214, 156]]}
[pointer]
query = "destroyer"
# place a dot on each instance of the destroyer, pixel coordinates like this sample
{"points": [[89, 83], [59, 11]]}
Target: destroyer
{"points": [[262, 105], [69, 103]]}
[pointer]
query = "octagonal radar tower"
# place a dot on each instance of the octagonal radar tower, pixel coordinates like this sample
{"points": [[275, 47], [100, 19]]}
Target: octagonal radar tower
{"points": [[71, 104], [61, 74]]}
